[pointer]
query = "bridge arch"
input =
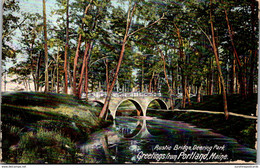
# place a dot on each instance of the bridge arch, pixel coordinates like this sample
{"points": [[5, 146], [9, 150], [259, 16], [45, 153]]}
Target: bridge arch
{"points": [[161, 102], [138, 106], [98, 102], [109, 115]]}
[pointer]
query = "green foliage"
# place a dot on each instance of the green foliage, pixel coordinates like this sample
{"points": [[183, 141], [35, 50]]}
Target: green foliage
{"points": [[39, 128], [11, 22], [45, 147]]}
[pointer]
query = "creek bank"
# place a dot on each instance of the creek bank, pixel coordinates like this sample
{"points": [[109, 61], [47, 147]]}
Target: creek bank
{"points": [[239, 128], [45, 128]]}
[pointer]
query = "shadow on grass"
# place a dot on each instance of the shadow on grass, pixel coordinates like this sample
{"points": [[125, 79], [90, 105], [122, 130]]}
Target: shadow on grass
{"points": [[48, 122]]}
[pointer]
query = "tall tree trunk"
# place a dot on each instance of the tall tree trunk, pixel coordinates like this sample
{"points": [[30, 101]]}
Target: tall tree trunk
{"points": [[86, 73], [241, 69], [219, 85], [150, 83], [218, 64], [57, 66], [66, 50], [233, 76], [52, 78], [198, 92], [74, 85], [107, 74], [155, 84], [211, 77], [254, 49], [183, 82], [32, 66], [166, 77], [128, 24], [38, 72], [183, 59], [188, 94], [142, 85], [45, 48], [82, 71], [109, 92]]}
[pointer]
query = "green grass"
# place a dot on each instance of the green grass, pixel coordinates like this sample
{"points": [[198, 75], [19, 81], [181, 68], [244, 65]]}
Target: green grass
{"points": [[235, 102], [242, 129], [44, 128]]}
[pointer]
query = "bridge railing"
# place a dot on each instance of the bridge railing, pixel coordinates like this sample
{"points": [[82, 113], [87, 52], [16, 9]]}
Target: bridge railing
{"points": [[121, 94]]}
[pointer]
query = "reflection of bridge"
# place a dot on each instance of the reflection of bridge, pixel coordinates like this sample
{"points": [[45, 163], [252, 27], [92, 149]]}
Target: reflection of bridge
{"points": [[140, 130], [140, 100]]}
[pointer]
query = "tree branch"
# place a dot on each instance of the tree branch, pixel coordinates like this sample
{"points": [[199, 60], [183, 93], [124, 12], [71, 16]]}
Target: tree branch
{"points": [[4, 35], [205, 34], [146, 26]]}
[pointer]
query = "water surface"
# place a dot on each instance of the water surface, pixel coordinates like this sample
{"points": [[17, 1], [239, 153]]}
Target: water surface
{"points": [[149, 140]]}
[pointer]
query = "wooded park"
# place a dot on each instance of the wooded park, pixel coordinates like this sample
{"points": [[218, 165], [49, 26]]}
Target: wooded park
{"points": [[187, 48]]}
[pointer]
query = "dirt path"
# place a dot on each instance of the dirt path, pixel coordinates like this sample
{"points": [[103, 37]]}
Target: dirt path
{"points": [[217, 112]]}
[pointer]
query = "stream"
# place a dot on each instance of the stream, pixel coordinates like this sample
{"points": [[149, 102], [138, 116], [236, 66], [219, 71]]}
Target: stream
{"points": [[154, 140]]}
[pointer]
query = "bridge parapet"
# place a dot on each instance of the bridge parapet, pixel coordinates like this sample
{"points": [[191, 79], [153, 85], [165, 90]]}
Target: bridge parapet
{"points": [[140, 100], [121, 94]]}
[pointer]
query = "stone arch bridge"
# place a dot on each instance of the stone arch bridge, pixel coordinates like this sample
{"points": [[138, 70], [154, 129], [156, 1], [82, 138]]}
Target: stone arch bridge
{"points": [[140, 101]]}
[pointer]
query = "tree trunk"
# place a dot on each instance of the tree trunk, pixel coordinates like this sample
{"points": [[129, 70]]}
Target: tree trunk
{"points": [[150, 83], [52, 78], [107, 74], [188, 94], [128, 24], [109, 93], [82, 71], [219, 85], [74, 85], [183, 59], [211, 77], [254, 49], [45, 48], [32, 66], [218, 64], [241, 69], [57, 66], [166, 77], [66, 50], [86, 73], [233, 77], [198, 93], [38, 72], [142, 85], [183, 82]]}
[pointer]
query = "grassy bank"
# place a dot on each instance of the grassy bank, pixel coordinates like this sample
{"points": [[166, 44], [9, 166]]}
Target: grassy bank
{"points": [[236, 104], [239, 128], [44, 128]]}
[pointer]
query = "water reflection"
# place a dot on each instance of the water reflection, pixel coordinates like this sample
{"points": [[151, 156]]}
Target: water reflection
{"points": [[147, 140], [134, 127]]}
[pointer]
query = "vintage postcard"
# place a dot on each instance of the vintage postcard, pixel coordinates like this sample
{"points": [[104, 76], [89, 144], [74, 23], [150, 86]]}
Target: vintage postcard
{"points": [[129, 81]]}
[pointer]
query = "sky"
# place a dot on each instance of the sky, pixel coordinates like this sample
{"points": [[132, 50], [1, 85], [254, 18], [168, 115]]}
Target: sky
{"points": [[35, 6], [32, 6]]}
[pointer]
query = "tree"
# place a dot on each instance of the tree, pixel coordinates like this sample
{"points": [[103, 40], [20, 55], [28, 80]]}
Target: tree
{"points": [[66, 49], [45, 48], [130, 15], [11, 22]]}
